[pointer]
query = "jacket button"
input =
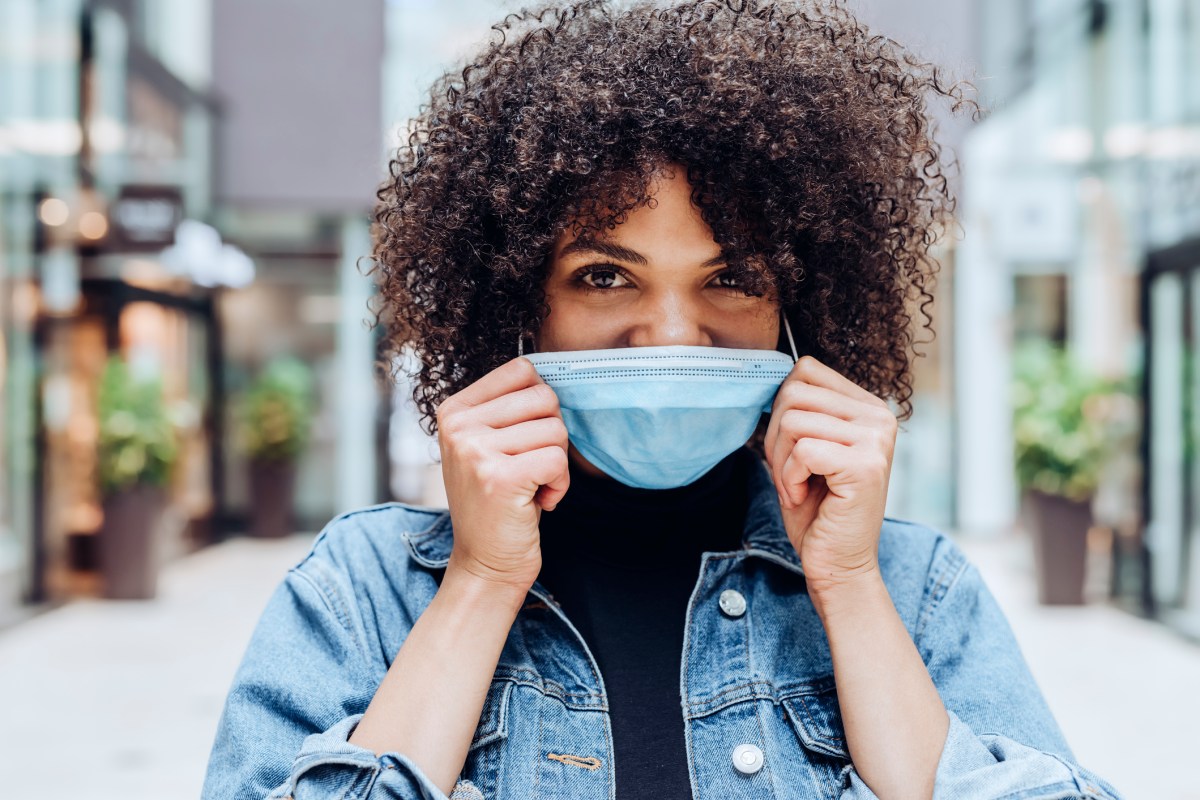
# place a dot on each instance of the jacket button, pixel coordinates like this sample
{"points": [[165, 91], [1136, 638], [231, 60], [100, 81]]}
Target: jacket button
{"points": [[732, 603], [747, 759]]}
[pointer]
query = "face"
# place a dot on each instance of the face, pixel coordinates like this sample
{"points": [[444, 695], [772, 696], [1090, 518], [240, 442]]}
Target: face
{"points": [[656, 279]]}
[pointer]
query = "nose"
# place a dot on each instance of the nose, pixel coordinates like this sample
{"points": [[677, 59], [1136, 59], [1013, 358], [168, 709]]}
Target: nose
{"points": [[669, 319]]}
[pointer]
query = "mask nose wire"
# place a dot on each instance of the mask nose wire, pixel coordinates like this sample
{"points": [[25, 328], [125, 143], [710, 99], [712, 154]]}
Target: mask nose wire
{"points": [[792, 342]]}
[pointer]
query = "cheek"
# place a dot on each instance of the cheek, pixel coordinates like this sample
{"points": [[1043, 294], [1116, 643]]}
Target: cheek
{"points": [[569, 326], [761, 327]]}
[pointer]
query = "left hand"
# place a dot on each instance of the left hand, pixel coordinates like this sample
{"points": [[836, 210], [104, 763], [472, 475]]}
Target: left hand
{"points": [[829, 447]]}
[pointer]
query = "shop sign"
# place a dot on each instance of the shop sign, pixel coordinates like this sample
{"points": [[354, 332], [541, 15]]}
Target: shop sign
{"points": [[144, 218]]}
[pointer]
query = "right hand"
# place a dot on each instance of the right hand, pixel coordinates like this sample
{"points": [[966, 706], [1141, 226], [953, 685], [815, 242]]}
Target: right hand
{"points": [[504, 459]]}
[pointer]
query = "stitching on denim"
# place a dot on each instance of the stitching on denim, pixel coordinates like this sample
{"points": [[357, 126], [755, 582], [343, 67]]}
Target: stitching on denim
{"points": [[537, 772], [684, 669], [955, 565], [343, 619], [816, 727], [762, 733], [1073, 771], [366, 784], [1063, 790], [759, 690], [737, 687], [587, 762], [545, 685], [499, 712], [466, 790], [321, 576]]}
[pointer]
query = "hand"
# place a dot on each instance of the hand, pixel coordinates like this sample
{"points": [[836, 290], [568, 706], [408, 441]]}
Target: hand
{"points": [[504, 459], [829, 447]]}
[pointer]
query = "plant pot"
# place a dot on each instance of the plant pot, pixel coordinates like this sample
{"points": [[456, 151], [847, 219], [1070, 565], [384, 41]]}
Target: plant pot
{"points": [[272, 495], [129, 547], [1059, 527]]}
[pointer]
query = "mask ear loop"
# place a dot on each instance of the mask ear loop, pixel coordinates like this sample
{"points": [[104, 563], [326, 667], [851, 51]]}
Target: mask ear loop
{"points": [[788, 327], [520, 345]]}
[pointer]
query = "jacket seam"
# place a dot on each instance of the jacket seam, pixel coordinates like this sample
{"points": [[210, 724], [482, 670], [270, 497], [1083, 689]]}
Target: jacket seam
{"points": [[946, 578], [340, 615]]}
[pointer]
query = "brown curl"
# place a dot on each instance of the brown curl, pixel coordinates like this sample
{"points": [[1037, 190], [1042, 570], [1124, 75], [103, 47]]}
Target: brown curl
{"points": [[807, 141]]}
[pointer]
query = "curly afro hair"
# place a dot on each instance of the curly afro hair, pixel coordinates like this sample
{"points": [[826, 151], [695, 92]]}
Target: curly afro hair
{"points": [[806, 140]]}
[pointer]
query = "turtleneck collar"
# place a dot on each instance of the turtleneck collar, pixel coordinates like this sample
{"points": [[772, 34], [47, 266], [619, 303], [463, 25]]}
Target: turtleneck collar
{"points": [[604, 521]]}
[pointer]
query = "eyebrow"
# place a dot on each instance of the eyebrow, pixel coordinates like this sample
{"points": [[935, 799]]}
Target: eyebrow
{"points": [[585, 245]]}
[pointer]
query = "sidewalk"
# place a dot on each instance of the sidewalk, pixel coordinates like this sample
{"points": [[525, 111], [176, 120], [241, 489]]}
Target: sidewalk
{"points": [[119, 700], [115, 700], [1123, 689]]}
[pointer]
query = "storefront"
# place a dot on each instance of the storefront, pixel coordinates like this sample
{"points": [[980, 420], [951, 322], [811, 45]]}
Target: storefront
{"points": [[1085, 222], [105, 146], [1172, 422]]}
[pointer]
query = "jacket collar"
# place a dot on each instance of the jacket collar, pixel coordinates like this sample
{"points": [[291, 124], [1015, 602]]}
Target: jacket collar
{"points": [[764, 533]]}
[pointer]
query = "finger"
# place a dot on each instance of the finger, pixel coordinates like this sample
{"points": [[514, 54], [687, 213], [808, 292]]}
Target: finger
{"points": [[813, 371], [525, 436], [796, 423], [812, 457], [508, 377], [796, 392], [544, 467], [533, 402]]}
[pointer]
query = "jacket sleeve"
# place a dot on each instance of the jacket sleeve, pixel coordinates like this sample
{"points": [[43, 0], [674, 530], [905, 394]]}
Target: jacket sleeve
{"points": [[299, 692], [1003, 742]]}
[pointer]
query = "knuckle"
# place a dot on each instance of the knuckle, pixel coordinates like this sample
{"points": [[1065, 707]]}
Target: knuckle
{"points": [[445, 412], [469, 448], [488, 474], [792, 392], [882, 468], [544, 396]]}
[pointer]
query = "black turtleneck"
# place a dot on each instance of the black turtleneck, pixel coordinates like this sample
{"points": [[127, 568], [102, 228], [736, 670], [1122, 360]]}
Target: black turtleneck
{"points": [[622, 562]]}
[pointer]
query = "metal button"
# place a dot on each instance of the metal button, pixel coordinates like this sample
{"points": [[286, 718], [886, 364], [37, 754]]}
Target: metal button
{"points": [[732, 603], [747, 759]]}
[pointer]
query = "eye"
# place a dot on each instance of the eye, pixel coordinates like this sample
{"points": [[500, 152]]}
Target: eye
{"points": [[729, 281], [600, 278]]}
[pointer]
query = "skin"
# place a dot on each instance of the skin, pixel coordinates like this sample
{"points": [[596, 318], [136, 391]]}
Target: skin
{"points": [[505, 457], [665, 291]]}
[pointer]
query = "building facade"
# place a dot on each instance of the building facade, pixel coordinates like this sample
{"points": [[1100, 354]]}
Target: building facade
{"points": [[1082, 227], [105, 146]]}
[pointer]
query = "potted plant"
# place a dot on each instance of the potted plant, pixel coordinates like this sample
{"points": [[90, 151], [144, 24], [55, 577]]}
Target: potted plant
{"points": [[1063, 439], [136, 451], [276, 416]]}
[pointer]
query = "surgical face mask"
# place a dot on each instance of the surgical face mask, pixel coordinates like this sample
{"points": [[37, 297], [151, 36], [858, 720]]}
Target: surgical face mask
{"points": [[661, 417]]}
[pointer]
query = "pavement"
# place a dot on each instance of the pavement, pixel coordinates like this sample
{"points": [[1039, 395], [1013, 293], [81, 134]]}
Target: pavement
{"points": [[120, 699]]}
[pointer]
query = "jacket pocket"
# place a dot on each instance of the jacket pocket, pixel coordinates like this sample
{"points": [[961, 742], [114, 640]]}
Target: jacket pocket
{"points": [[481, 774], [817, 719], [493, 720]]}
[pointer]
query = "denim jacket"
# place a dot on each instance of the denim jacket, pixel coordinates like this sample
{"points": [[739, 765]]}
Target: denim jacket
{"points": [[755, 676]]}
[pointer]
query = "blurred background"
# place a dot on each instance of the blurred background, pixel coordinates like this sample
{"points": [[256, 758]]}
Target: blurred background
{"points": [[188, 388]]}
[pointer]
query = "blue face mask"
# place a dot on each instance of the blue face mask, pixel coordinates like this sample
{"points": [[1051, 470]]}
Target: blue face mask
{"points": [[661, 417]]}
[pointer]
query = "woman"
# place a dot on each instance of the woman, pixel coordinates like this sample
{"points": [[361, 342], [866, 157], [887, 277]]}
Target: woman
{"points": [[665, 569]]}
